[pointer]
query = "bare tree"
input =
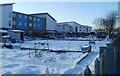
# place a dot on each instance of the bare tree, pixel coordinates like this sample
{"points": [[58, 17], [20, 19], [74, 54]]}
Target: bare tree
{"points": [[108, 23]]}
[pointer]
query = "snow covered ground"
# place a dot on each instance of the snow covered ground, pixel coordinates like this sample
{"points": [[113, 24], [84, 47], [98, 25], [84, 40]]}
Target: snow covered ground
{"points": [[16, 61]]}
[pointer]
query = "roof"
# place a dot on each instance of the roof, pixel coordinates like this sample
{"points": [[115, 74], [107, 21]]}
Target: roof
{"points": [[85, 25], [16, 31], [73, 22], [3, 31], [6, 4], [69, 22], [43, 14]]}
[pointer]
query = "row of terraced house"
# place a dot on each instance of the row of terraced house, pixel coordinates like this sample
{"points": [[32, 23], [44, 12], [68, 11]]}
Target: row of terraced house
{"points": [[16, 23]]}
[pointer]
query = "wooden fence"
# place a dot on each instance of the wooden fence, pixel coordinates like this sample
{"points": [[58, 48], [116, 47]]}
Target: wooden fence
{"points": [[108, 62]]}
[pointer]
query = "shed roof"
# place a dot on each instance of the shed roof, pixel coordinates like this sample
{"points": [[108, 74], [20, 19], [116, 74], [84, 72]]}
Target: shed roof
{"points": [[16, 31], [3, 31]]}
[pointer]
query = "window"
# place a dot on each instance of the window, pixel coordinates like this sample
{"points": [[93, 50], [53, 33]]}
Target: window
{"points": [[9, 23], [34, 19], [38, 19], [30, 18], [38, 25], [14, 22], [10, 14], [20, 15], [20, 23], [30, 24], [25, 24], [25, 17], [34, 25], [14, 14]]}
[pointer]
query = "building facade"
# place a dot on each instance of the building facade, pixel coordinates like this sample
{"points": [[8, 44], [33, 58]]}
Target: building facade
{"points": [[51, 23], [6, 16], [27, 22], [73, 27], [85, 29], [63, 27]]}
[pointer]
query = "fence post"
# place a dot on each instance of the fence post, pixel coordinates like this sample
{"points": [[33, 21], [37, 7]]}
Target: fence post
{"points": [[102, 64], [110, 60], [87, 71], [116, 43], [97, 67], [102, 49]]}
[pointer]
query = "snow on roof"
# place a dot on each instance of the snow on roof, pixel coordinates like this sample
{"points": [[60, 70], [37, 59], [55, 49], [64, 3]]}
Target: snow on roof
{"points": [[3, 31], [6, 36], [16, 31], [85, 25]]}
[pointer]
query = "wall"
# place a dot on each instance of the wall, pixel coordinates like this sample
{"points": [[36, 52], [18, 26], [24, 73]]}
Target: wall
{"points": [[21, 22], [50, 23], [7, 16], [85, 29], [38, 23], [0, 16], [63, 27], [15, 35], [73, 25]]}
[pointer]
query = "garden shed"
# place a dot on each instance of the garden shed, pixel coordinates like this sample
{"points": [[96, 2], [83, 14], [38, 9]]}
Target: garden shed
{"points": [[18, 35]]}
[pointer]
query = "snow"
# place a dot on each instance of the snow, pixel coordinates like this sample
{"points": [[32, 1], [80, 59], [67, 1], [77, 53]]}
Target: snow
{"points": [[3, 31], [56, 44], [17, 61], [81, 38], [7, 36], [16, 31]]}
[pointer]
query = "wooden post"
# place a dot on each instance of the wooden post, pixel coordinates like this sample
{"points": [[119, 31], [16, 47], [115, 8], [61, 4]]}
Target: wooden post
{"points": [[110, 60], [87, 71], [97, 67], [29, 53], [102, 64], [102, 49]]}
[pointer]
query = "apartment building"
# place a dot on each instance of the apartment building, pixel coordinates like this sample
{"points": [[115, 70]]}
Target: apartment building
{"points": [[85, 29], [74, 27], [27, 22], [63, 27]]}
